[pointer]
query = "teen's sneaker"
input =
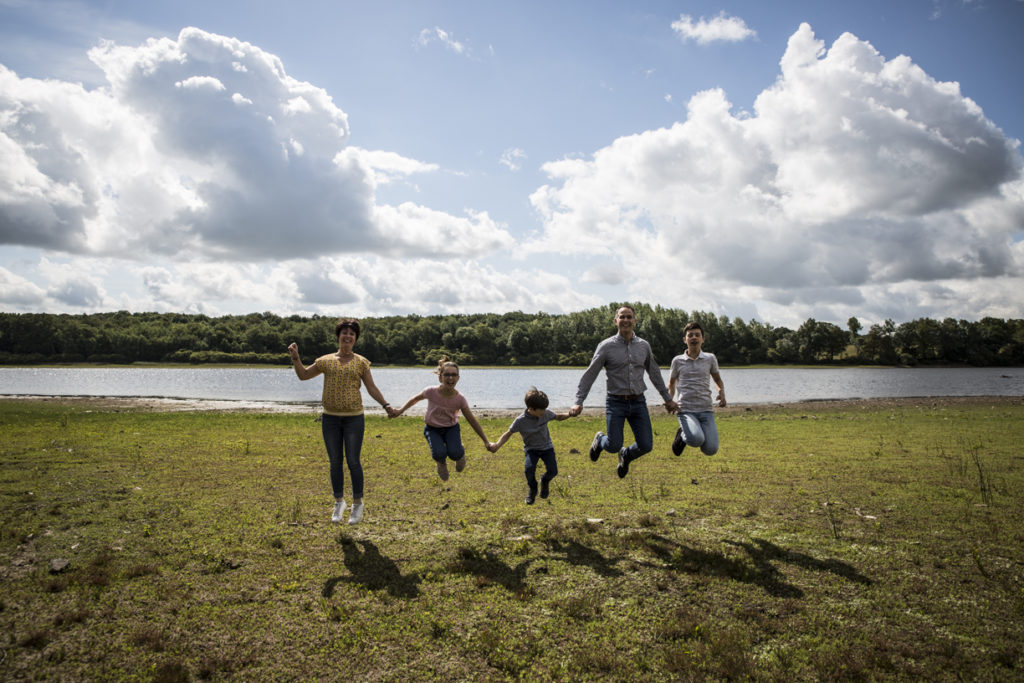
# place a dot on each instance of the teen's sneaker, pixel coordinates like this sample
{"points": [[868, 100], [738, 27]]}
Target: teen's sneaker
{"points": [[357, 513], [339, 511], [531, 496], [595, 447], [460, 464], [677, 443], [442, 470], [543, 488], [623, 469]]}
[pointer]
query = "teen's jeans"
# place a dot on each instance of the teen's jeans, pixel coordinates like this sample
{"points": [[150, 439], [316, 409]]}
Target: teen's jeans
{"points": [[532, 456], [343, 437], [445, 442], [620, 410], [700, 430]]}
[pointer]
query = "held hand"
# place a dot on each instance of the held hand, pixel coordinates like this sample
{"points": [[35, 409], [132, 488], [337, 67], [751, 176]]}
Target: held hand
{"points": [[671, 407], [492, 447], [575, 410], [390, 411]]}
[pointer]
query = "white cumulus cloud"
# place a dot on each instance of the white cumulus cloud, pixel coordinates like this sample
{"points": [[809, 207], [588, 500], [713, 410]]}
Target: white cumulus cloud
{"points": [[720, 28], [854, 175], [201, 147]]}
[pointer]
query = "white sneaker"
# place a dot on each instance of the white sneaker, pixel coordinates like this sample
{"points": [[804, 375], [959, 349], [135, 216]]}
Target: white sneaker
{"points": [[357, 513], [339, 511]]}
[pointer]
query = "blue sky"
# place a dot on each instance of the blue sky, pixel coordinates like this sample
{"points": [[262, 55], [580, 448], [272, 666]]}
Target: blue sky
{"points": [[772, 161]]}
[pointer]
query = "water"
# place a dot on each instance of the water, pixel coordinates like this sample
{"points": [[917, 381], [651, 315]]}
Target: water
{"points": [[497, 388]]}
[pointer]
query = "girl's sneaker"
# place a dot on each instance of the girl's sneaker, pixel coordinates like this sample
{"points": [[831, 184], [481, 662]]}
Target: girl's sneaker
{"points": [[442, 470], [357, 513], [339, 511]]}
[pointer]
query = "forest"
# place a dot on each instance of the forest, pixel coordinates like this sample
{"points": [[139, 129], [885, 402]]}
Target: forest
{"points": [[496, 339]]}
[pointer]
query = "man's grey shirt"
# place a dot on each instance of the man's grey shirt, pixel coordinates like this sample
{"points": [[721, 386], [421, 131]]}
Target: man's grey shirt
{"points": [[624, 363]]}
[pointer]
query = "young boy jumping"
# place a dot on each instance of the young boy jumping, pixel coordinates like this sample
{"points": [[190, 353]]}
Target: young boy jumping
{"points": [[532, 425], [689, 382]]}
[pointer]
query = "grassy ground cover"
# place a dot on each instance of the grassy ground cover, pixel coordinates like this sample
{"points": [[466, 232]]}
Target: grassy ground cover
{"points": [[858, 541]]}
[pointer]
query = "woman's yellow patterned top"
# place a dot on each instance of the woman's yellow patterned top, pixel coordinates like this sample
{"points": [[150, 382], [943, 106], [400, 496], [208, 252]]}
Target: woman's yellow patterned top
{"points": [[342, 382]]}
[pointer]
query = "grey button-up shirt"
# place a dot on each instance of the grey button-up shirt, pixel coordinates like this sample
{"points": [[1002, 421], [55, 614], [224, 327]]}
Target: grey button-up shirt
{"points": [[624, 366]]}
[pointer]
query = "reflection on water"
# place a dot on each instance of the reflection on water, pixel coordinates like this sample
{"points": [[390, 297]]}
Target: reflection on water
{"points": [[503, 388]]}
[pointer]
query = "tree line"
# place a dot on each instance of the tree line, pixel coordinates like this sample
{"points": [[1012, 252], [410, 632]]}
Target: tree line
{"points": [[496, 339]]}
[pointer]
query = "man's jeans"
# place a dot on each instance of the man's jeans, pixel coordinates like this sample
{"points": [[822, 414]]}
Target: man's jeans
{"points": [[618, 411]]}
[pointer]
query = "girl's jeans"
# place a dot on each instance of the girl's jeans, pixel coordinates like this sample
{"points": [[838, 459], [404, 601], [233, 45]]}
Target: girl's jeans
{"points": [[445, 442], [343, 437]]}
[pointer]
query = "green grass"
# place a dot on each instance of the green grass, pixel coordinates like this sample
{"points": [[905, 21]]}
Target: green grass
{"points": [[852, 543]]}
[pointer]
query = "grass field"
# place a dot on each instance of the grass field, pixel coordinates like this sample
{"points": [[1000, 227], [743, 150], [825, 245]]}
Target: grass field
{"points": [[846, 542]]}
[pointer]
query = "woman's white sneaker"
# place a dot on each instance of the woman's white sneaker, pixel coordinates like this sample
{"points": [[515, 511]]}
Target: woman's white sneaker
{"points": [[339, 511], [357, 513]]}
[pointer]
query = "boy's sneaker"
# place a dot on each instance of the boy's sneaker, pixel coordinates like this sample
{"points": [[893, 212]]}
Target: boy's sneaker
{"points": [[530, 497], [357, 514], [595, 447], [623, 469], [442, 470], [339, 511], [543, 488], [677, 443], [460, 464]]}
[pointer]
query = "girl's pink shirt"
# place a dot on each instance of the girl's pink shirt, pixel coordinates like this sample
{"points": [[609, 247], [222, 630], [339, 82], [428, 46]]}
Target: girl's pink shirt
{"points": [[443, 411]]}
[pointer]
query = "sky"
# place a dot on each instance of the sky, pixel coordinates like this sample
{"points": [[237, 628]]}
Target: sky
{"points": [[772, 161]]}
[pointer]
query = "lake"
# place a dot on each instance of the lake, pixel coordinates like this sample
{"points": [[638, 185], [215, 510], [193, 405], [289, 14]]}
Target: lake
{"points": [[503, 388]]}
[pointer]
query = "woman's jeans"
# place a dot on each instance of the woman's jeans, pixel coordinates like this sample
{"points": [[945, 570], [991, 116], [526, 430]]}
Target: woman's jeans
{"points": [[445, 442], [343, 437], [618, 411], [700, 430]]}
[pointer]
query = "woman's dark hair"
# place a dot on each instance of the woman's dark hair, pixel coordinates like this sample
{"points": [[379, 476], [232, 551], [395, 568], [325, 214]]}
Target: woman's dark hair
{"points": [[350, 323]]}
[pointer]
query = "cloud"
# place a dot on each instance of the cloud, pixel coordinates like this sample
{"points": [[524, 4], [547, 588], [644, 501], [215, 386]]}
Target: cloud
{"points": [[438, 35], [512, 158], [358, 285], [19, 294], [720, 28], [201, 148], [853, 175]]}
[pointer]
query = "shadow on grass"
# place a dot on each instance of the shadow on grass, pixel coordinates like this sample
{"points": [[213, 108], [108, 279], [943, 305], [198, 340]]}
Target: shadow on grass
{"points": [[490, 568], [578, 554], [762, 572], [372, 570]]}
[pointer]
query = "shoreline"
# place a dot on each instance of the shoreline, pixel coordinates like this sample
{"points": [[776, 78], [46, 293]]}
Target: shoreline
{"points": [[158, 404]]}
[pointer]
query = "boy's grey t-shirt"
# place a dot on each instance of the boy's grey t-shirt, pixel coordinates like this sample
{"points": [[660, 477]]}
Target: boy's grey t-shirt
{"points": [[534, 430]]}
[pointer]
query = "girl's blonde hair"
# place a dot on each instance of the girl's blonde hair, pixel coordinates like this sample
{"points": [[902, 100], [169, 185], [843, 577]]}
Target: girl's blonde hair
{"points": [[443, 363]]}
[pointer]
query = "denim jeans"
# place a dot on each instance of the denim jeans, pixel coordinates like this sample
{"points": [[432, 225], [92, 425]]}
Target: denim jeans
{"points": [[700, 430], [532, 456], [343, 437], [618, 411], [445, 442]]}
